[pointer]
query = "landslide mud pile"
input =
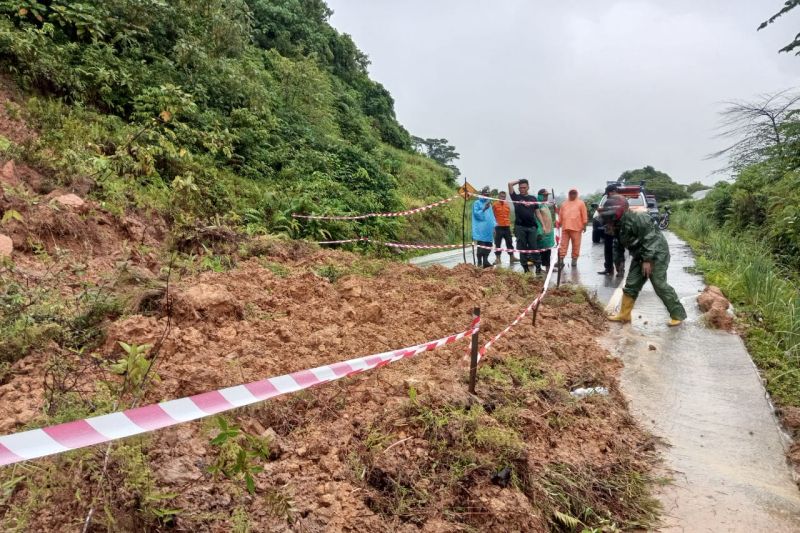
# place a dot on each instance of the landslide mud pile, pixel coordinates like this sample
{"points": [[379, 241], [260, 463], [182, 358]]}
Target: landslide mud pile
{"points": [[402, 448], [90, 299]]}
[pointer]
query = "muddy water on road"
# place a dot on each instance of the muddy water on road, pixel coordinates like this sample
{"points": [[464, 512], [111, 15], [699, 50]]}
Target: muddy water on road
{"points": [[696, 389]]}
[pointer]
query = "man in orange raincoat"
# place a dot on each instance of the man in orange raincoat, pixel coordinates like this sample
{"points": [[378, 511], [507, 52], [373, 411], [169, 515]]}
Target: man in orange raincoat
{"points": [[573, 223], [502, 231]]}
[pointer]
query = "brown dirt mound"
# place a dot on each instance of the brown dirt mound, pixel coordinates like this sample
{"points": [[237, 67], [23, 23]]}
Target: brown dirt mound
{"points": [[714, 305], [403, 448]]}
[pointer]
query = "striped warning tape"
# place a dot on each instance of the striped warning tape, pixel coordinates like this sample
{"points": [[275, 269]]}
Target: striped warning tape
{"points": [[87, 432], [522, 315], [523, 202], [371, 215], [513, 250], [416, 209], [343, 241], [431, 246]]}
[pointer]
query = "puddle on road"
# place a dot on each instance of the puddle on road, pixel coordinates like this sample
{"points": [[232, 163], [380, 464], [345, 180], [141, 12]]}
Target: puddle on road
{"points": [[700, 392]]}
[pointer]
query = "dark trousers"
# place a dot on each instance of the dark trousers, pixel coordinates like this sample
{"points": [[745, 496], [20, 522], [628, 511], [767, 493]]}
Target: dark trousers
{"points": [[544, 259], [613, 251], [636, 280], [483, 250], [503, 233], [526, 240]]}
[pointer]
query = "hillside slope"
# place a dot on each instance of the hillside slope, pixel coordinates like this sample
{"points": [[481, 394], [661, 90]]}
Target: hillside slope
{"points": [[236, 111]]}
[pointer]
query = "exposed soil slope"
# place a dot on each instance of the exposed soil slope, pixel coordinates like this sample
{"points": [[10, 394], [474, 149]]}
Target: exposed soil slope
{"points": [[401, 448]]}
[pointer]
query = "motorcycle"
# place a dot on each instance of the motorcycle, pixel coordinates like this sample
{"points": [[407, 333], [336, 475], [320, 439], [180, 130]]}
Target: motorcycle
{"points": [[663, 222]]}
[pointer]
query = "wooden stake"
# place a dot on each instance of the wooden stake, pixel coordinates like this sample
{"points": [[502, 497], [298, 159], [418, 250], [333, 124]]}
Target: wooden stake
{"points": [[473, 362]]}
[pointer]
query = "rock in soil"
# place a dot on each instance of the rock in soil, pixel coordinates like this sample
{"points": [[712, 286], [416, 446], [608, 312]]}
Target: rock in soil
{"points": [[6, 246], [70, 200]]}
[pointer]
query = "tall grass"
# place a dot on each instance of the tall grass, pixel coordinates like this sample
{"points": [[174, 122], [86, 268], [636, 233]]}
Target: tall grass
{"points": [[743, 266]]}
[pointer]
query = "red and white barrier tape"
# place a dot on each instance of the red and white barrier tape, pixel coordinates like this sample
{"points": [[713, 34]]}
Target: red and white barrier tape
{"points": [[343, 241], [397, 244], [87, 432], [523, 202], [420, 246], [432, 246], [370, 215], [513, 250], [522, 315]]}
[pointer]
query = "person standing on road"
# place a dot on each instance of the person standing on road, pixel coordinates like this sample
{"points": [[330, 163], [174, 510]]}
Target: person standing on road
{"points": [[546, 233], [573, 224], [649, 258], [483, 228], [502, 231], [614, 253], [524, 221]]}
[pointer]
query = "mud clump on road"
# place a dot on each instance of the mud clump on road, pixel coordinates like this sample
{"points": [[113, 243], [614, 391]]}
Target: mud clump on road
{"points": [[715, 308], [400, 448]]}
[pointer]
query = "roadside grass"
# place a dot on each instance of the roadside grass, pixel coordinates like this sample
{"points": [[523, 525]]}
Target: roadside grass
{"points": [[464, 446], [766, 298]]}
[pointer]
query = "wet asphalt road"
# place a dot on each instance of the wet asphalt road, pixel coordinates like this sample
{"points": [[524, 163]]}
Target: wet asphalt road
{"points": [[700, 392]]}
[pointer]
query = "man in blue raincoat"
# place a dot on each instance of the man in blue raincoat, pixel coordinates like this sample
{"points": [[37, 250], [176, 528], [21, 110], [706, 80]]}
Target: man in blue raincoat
{"points": [[483, 223]]}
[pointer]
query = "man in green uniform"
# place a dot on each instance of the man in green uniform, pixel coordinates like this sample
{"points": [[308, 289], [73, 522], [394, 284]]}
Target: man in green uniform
{"points": [[649, 258]]}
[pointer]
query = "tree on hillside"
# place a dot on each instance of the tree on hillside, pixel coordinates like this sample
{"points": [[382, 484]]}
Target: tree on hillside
{"points": [[788, 5], [759, 129], [696, 186], [441, 151], [656, 182]]}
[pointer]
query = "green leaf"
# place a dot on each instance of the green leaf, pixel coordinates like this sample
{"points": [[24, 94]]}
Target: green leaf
{"points": [[11, 215], [567, 519]]}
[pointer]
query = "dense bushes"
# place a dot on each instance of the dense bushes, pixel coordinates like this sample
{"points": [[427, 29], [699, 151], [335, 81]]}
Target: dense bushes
{"points": [[190, 97], [747, 235], [763, 202]]}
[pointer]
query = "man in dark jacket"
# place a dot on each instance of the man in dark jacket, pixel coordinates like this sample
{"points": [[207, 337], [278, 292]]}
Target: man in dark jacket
{"points": [[614, 253], [525, 225], [649, 258]]}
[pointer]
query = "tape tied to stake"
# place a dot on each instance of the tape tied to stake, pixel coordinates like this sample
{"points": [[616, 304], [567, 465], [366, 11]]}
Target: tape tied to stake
{"points": [[68, 436], [482, 351]]}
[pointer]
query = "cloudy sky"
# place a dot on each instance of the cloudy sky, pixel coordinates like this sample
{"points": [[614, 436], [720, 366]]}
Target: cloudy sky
{"points": [[571, 92]]}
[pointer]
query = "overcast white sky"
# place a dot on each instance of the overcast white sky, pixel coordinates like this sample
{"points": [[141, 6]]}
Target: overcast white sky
{"points": [[571, 92]]}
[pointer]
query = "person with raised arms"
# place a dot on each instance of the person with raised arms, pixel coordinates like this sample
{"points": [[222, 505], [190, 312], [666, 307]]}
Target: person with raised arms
{"points": [[525, 224]]}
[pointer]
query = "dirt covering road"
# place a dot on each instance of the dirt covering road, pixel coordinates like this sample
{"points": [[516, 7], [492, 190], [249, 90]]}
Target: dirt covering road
{"points": [[402, 448]]}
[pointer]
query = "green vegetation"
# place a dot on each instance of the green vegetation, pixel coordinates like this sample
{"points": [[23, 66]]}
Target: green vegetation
{"points": [[466, 445], [763, 291], [747, 234], [696, 186], [240, 111], [656, 182], [788, 5]]}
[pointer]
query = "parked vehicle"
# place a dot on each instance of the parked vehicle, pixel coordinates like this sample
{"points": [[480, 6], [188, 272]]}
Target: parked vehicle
{"points": [[663, 221], [636, 202]]}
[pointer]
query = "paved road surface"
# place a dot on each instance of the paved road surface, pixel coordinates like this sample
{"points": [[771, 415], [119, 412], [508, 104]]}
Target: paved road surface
{"points": [[700, 392]]}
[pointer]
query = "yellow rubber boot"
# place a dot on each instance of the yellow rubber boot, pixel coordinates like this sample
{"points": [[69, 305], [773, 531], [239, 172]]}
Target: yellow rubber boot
{"points": [[674, 322], [625, 309]]}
